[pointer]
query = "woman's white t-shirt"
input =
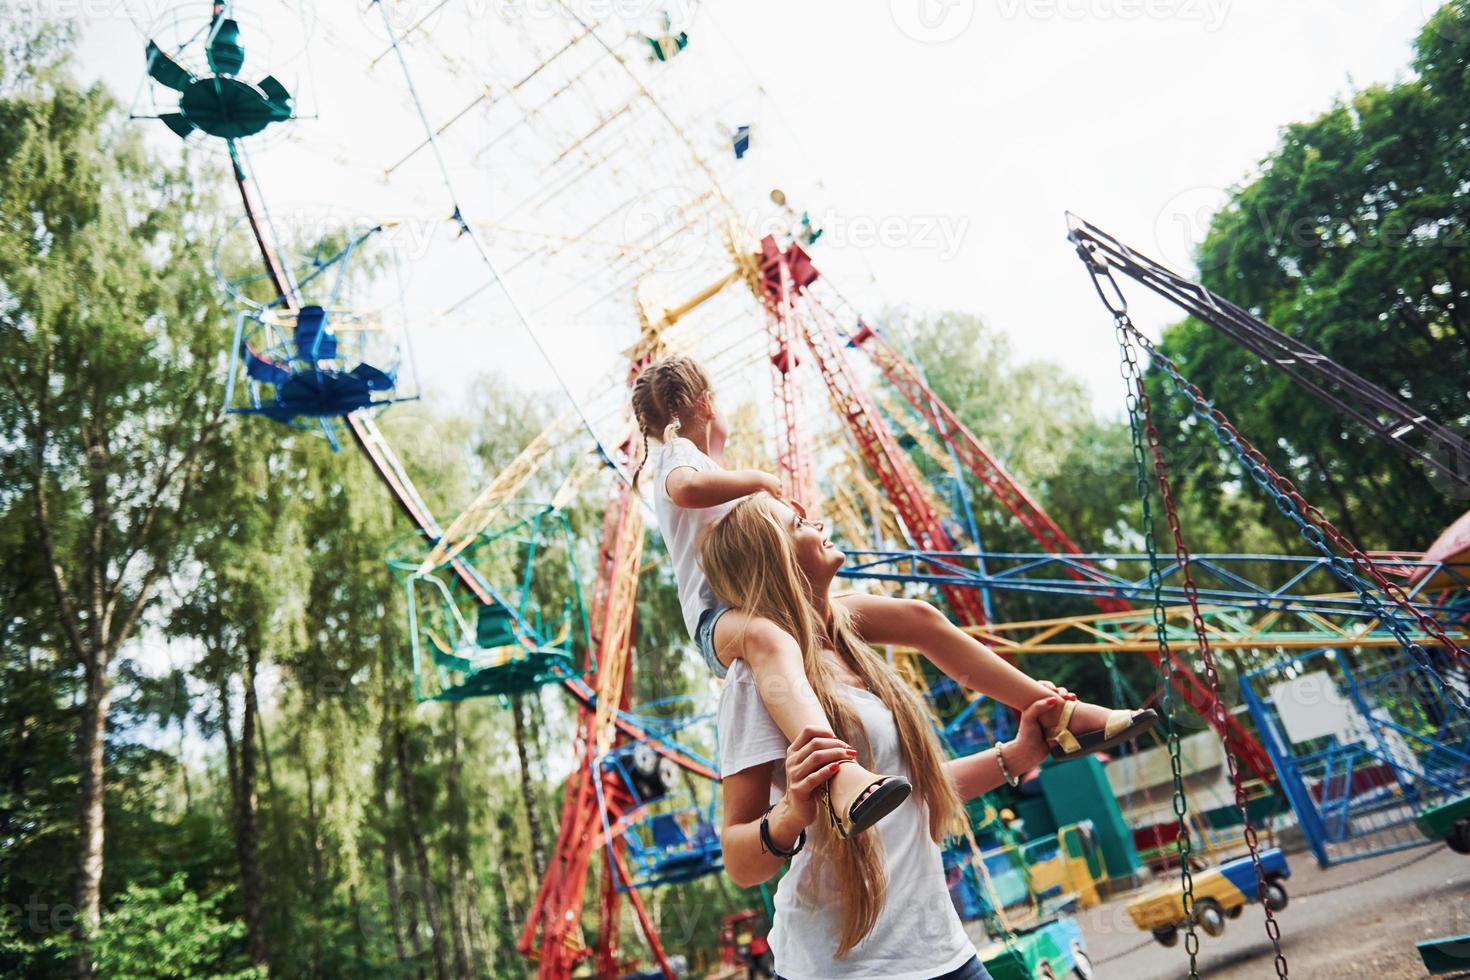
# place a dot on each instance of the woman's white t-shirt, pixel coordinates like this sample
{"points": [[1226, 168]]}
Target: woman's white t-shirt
{"points": [[680, 527], [918, 934]]}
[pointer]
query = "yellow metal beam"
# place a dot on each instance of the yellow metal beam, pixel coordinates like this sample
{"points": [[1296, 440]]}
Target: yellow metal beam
{"points": [[1133, 632], [489, 505]]}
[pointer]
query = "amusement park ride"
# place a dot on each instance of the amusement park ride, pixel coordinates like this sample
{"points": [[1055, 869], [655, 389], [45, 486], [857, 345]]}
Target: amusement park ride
{"points": [[481, 627]]}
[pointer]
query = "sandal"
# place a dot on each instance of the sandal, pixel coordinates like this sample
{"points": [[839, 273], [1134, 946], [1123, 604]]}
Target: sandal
{"points": [[880, 798], [1120, 727]]}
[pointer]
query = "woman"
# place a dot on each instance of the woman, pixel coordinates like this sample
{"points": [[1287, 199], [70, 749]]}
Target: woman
{"points": [[873, 905]]}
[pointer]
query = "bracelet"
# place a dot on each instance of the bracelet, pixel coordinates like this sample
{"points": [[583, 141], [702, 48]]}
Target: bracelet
{"points": [[1004, 771], [769, 845]]}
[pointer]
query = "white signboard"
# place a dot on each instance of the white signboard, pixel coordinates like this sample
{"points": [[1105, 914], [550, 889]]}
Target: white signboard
{"points": [[1311, 707]]}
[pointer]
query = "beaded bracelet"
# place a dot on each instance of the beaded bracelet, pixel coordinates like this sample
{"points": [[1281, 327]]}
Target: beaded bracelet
{"points": [[1004, 771]]}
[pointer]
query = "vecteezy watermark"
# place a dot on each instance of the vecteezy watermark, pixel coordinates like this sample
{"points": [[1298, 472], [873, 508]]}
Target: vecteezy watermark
{"points": [[674, 227], [1210, 13], [1183, 222], [41, 917], [406, 18], [943, 234], [336, 253], [932, 21], [677, 228]]}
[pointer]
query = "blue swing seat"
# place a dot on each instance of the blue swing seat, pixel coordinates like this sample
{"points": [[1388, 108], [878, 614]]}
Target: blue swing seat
{"points": [[305, 381], [678, 857], [314, 342], [321, 394]]}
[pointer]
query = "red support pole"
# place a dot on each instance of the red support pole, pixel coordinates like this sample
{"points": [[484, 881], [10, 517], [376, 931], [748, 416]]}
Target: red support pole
{"points": [[881, 452], [778, 289], [557, 912], [971, 452], [650, 933]]}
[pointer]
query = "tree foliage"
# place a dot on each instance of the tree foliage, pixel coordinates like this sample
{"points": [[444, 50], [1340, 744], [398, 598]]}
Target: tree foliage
{"points": [[1353, 238]]}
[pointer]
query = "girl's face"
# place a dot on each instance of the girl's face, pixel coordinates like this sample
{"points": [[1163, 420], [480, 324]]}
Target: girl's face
{"points": [[816, 555]]}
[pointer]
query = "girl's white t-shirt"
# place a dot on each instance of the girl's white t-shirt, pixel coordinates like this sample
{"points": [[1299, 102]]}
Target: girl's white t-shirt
{"points": [[918, 934], [680, 527]]}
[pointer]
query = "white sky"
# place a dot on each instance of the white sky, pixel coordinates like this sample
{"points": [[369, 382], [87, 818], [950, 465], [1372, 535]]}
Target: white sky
{"points": [[965, 129]]}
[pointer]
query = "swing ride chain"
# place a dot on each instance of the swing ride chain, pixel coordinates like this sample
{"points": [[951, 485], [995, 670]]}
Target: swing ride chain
{"points": [[1212, 676], [1134, 378], [1315, 530], [1285, 495]]}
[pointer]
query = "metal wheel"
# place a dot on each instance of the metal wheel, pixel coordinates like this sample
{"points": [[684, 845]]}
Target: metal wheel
{"points": [[1234, 912], [645, 759], [1275, 895], [1081, 963], [1459, 838], [1207, 913], [1167, 935]]}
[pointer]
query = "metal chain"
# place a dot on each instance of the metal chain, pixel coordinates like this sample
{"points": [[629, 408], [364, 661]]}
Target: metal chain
{"points": [[1281, 487], [1133, 377], [1315, 531], [1288, 499], [1212, 677]]}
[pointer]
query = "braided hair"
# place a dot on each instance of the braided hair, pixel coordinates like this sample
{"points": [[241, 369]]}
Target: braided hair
{"points": [[662, 392]]}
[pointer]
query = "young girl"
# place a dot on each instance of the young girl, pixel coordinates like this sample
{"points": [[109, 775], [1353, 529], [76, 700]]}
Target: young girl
{"points": [[674, 405]]}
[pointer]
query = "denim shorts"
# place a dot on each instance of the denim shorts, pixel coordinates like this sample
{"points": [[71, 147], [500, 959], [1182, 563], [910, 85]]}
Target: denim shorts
{"points": [[704, 635], [972, 969]]}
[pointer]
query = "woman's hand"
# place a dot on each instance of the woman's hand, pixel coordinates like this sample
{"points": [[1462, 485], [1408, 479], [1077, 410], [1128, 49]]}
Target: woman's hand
{"points": [[810, 762], [1065, 694], [1028, 748]]}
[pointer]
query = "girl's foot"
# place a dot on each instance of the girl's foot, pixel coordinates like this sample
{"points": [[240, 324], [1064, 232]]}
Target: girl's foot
{"points": [[857, 799], [1080, 729]]}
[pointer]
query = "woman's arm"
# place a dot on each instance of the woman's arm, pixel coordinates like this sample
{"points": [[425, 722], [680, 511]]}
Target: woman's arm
{"points": [[810, 761], [688, 487], [980, 773]]}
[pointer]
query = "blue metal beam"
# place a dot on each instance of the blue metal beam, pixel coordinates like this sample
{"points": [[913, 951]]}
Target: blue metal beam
{"points": [[1239, 580]]}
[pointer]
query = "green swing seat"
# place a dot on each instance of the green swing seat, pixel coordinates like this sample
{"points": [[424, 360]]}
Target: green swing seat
{"points": [[508, 666]]}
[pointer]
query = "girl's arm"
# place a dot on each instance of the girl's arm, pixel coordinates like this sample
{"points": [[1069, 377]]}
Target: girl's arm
{"points": [[980, 773], [688, 487], [810, 761], [911, 623]]}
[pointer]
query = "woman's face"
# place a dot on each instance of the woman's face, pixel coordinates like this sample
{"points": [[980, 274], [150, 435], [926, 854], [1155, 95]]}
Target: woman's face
{"points": [[816, 555]]}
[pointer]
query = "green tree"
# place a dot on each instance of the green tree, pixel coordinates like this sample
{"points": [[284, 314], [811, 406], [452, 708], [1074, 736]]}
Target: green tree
{"points": [[1351, 237], [107, 370], [168, 932]]}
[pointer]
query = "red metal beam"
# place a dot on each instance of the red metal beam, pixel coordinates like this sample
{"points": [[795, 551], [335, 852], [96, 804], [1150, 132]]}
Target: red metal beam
{"points": [[968, 448], [979, 461], [876, 444], [778, 289], [551, 930]]}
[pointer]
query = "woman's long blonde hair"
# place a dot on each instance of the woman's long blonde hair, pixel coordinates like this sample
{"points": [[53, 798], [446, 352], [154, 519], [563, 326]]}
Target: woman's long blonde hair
{"points": [[750, 563]]}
